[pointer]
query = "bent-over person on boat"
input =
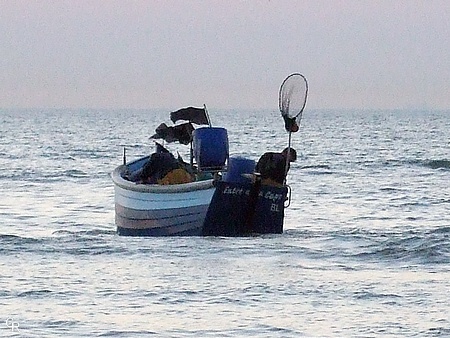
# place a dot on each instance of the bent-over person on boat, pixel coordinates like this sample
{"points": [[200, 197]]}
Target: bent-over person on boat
{"points": [[161, 168], [272, 166]]}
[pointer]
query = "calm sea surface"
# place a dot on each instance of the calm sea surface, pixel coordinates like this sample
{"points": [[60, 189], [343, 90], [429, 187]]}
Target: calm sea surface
{"points": [[365, 252]]}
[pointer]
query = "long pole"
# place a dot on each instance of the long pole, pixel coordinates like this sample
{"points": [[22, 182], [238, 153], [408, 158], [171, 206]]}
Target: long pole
{"points": [[288, 155]]}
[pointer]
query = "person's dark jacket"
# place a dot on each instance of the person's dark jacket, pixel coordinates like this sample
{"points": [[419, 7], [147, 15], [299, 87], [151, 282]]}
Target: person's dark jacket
{"points": [[272, 166]]}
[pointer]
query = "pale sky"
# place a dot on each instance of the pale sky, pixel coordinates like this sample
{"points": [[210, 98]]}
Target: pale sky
{"points": [[228, 54]]}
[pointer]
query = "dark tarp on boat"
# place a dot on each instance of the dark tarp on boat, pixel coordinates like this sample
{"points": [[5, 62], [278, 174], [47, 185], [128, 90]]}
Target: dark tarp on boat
{"points": [[181, 133], [191, 114]]}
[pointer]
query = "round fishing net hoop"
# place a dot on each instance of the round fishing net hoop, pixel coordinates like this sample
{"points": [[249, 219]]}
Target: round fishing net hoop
{"points": [[292, 96]]}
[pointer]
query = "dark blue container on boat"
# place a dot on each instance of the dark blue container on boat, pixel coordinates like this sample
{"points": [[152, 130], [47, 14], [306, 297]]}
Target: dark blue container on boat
{"points": [[210, 147], [238, 166]]}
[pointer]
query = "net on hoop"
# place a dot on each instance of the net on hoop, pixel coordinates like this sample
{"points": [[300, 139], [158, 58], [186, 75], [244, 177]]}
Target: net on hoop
{"points": [[292, 98]]}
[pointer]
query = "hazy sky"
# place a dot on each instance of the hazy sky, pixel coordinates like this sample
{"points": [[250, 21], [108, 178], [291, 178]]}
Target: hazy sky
{"points": [[227, 54]]}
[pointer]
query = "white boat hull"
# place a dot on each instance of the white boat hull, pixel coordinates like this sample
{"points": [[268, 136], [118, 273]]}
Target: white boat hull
{"points": [[158, 210]]}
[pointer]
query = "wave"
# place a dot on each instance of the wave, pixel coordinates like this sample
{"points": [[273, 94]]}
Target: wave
{"points": [[428, 163], [379, 246], [437, 164], [421, 247], [131, 333], [317, 166], [318, 169], [92, 242], [336, 168], [36, 175], [371, 295], [34, 293], [427, 247], [96, 232]]}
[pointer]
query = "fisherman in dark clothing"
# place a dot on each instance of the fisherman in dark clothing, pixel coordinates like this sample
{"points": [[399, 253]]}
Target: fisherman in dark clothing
{"points": [[272, 166], [158, 166]]}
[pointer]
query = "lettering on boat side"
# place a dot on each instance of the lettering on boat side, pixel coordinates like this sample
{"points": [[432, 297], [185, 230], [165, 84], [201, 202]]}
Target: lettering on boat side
{"points": [[275, 198], [235, 191]]}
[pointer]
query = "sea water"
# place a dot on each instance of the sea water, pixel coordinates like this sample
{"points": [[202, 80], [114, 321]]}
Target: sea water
{"points": [[365, 251]]}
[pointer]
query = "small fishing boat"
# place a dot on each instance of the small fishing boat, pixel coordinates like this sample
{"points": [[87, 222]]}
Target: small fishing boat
{"points": [[159, 210], [215, 194]]}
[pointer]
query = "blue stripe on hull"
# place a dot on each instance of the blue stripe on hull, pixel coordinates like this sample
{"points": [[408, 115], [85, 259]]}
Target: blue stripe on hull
{"points": [[170, 222], [158, 232]]}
